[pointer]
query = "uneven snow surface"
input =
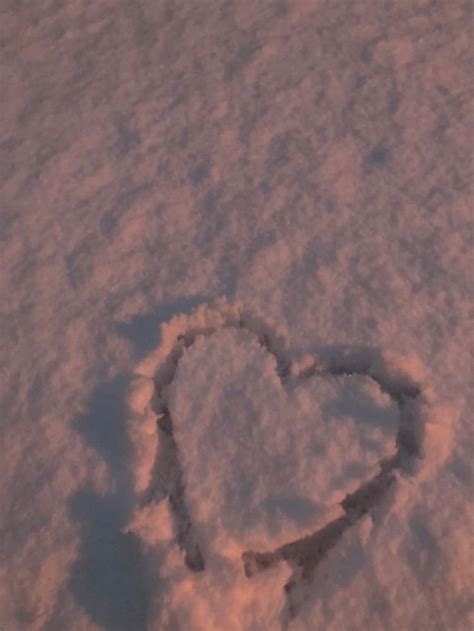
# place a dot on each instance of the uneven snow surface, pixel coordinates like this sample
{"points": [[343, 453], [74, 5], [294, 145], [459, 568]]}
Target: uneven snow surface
{"points": [[236, 276]]}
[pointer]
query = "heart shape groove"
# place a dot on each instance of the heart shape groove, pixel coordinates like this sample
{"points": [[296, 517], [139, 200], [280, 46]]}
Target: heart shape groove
{"points": [[264, 464], [294, 513]]}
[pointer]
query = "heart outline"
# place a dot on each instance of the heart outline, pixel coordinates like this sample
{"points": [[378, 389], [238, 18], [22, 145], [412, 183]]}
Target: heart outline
{"points": [[305, 553]]}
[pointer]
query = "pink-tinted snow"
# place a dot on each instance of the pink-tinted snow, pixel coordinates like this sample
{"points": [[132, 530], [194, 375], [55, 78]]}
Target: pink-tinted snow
{"points": [[252, 222]]}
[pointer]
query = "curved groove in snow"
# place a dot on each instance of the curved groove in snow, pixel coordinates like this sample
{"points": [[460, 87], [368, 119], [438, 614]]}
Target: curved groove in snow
{"points": [[303, 554]]}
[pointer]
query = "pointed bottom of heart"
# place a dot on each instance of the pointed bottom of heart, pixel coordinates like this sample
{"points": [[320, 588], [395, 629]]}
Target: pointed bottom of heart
{"points": [[203, 601]]}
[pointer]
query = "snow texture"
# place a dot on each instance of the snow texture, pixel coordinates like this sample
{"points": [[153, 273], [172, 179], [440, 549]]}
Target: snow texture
{"points": [[236, 315]]}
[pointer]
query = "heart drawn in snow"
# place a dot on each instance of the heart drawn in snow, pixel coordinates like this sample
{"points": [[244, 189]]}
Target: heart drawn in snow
{"points": [[266, 456], [265, 464]]}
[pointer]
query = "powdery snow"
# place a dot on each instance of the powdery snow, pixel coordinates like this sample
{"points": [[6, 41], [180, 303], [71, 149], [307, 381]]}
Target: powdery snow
{"points": [[236, 316]]}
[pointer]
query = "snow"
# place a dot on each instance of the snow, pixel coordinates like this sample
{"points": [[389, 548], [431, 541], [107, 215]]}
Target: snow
{"points": [[252, 223], [263, 467]]}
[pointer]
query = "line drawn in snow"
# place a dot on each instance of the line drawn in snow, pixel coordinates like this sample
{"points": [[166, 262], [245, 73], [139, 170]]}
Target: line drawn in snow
{"points": [[302, 555]]}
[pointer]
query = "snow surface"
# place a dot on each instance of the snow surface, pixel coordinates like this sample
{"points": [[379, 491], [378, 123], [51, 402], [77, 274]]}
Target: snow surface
{"points": [[252, 222]]}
